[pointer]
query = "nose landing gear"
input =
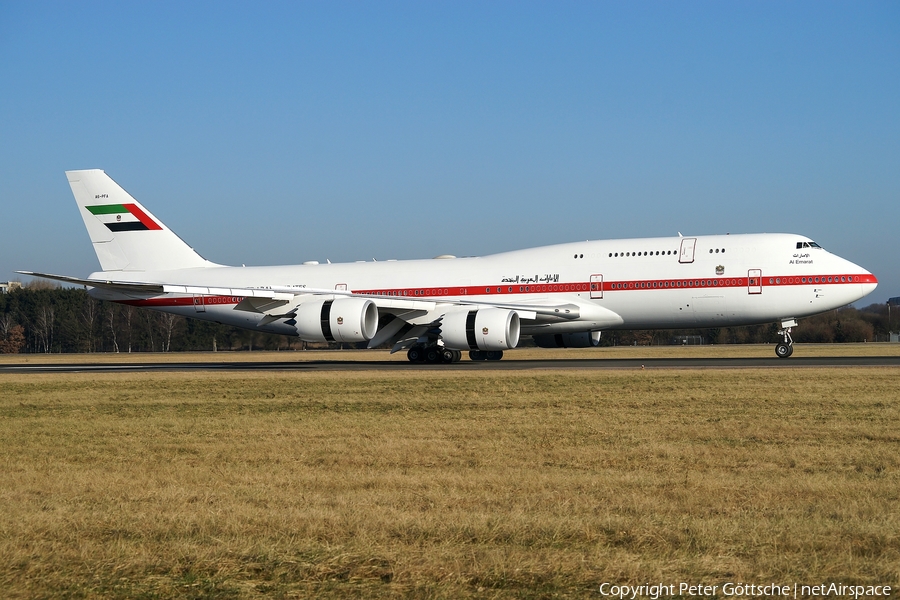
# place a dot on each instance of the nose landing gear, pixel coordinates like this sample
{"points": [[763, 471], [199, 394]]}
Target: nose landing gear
{"points": [[785, 348]]}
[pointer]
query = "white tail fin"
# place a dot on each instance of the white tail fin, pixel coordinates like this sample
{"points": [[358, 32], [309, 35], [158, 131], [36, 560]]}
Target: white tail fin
{"points": [[126, 236]]}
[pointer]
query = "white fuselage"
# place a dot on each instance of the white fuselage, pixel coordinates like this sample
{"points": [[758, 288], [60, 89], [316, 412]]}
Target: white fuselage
{"points": [[652, 283]]}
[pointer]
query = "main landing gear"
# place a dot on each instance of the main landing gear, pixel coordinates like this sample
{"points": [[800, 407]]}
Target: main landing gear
{"points": [[433, 355], [785, 348], [436, 355]]}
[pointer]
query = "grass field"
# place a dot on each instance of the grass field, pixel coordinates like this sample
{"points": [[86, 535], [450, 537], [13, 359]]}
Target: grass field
{"points": [[447, 485]]}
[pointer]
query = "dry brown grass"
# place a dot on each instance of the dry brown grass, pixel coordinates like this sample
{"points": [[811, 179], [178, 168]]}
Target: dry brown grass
{"points": [[444, 484]]}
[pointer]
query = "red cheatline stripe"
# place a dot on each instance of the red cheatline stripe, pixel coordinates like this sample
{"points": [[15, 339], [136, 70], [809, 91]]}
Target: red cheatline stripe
{"points": [[725, 282], [142, 216], [434, 293], [207, 301]]}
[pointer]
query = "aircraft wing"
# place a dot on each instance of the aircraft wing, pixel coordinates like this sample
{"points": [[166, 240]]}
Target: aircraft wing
{"points": [[411, 317]]}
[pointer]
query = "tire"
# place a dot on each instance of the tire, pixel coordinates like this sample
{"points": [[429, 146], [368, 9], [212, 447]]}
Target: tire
{"points": [[433, 355], [476, 355], [494, 354], [447, 355], [416, 354], [783, 350]]}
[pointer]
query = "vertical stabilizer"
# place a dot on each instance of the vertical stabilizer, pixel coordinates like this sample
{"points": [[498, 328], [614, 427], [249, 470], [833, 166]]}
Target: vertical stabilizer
{"points": [[126, 236]]}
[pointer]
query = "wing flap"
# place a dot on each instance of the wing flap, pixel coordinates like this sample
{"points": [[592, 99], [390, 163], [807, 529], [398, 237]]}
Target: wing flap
{"points": [[267, 306]]}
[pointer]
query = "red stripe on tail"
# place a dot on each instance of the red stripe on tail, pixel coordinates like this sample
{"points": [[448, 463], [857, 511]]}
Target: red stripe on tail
{"points": [[142, 216]]}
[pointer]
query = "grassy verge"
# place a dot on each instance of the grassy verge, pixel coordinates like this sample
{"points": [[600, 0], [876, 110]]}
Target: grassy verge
{"points": [[636, 352], [458, 485]]}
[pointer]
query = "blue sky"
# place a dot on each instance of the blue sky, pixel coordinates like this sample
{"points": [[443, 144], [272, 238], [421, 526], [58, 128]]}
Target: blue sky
{"points": [[273, 133]]}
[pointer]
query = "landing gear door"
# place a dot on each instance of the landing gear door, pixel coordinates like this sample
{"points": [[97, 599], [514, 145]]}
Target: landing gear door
{"points": [[754, 281], [686, 254], [596, 286]]}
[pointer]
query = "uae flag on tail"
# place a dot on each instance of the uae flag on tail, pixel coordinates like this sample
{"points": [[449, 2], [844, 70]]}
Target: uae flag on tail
{"points": [[123, 217]]}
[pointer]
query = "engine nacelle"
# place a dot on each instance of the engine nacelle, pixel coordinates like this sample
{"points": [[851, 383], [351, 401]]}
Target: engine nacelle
{"points": [[582, 339], [481, 329], [338, 320]]}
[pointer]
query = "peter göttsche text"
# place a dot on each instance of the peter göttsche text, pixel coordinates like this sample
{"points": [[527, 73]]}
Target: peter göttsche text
{"points": [[744, 590]]}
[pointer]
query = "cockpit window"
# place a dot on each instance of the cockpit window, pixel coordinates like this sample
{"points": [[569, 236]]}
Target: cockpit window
{"points": [[807, 245]]}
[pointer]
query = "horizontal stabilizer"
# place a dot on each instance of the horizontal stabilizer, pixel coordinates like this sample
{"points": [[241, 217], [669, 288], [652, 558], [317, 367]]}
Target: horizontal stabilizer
{"points": [[119, 286]]}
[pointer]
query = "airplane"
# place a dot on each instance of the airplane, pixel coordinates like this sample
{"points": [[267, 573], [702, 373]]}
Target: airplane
{"points": [[562, 295]]}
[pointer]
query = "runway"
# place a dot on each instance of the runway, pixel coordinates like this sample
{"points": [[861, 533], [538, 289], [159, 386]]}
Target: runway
{"points": [[467, 365]]}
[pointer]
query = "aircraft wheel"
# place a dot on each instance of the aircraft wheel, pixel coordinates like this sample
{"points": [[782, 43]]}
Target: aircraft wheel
{"points": [[416, 354], [477, 355], [457, 356], [494, 355], [433, 355], [447, 355], [783, 350]]}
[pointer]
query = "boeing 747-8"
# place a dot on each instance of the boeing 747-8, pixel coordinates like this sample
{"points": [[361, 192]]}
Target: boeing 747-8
{"points": [[561, 295]]}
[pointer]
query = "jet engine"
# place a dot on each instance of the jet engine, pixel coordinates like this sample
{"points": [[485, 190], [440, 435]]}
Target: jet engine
{"points": [[481, 329], [338, 320], [582, 339]]}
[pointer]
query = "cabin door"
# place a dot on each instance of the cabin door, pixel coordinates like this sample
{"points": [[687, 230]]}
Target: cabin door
{"points": [[596, 286], [199, 306], [754, 281], [686, 254]]}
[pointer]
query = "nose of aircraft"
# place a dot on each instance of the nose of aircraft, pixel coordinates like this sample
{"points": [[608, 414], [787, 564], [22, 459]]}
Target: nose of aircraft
{"points": [[869, 283]]}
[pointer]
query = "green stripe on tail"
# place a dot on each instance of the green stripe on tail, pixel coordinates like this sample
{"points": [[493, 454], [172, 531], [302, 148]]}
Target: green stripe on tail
{"points": [[107, 209]]}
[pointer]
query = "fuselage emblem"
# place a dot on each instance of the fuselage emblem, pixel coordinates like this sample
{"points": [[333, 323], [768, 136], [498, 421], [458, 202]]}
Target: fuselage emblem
{"points": [[340, 320], [484, 330], [720, 270]]}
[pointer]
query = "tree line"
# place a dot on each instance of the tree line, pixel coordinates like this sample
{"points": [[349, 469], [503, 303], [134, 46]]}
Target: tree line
{"points": [[41, 317]]}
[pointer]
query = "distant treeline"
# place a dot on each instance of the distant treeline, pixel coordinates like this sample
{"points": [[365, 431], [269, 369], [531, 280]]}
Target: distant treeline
{"points": [[43, 318]]}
